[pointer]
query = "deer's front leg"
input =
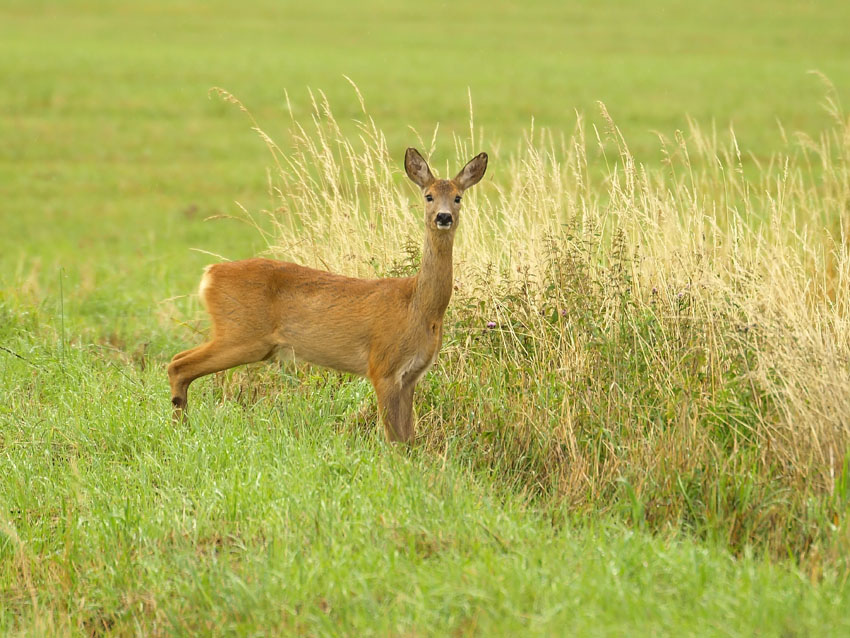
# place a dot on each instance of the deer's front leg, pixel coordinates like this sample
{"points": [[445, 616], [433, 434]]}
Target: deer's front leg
{"points": [[395, 405]]}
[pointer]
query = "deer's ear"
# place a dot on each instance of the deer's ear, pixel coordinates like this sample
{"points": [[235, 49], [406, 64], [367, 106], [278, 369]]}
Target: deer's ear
{"points": [[417, 168], [472, 173]]}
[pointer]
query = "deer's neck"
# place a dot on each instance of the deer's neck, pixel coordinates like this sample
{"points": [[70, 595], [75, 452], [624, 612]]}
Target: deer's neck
{"points": [[434, 281]]}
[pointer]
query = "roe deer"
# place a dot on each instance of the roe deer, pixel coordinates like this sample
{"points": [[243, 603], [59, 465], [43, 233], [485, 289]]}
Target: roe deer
{"points": [[389, 330]]}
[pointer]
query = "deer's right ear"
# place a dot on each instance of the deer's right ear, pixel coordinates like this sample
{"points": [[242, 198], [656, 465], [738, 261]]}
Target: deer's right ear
{"points": [[417, 168]]}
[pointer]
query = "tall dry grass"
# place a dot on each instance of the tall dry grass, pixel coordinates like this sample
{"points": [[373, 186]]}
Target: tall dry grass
{"points": [[670, 342]]}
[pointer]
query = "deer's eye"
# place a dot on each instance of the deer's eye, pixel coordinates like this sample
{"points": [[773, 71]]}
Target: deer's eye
{"points": [[429, 198], [457, 199]]}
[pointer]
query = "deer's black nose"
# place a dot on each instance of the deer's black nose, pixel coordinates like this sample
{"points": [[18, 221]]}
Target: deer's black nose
{"points": [[444, 220]]}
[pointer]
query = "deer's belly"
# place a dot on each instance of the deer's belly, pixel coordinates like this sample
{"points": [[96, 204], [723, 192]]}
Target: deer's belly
{"points": [[330, 352]]}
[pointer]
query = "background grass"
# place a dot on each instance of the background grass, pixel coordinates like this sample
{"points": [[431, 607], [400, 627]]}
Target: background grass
{"points": [[106, 116], [278, 509]]}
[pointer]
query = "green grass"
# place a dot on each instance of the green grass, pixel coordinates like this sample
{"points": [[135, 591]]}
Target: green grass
{"points": [[266, 518], [278, 509]]}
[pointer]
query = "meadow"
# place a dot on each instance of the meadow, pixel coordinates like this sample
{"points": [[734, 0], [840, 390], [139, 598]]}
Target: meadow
{"points": [[638, 422]]}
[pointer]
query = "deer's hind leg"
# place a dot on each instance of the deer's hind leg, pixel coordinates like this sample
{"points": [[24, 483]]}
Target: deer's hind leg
{"points": [[185, 353], [205, 359]]}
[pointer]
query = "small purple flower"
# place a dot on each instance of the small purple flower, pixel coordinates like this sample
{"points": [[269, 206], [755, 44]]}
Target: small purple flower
{"points": [[491, 324], [563, 313]]}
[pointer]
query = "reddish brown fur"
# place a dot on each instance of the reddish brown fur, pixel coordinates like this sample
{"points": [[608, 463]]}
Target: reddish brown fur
{"points": [[389, 330]]}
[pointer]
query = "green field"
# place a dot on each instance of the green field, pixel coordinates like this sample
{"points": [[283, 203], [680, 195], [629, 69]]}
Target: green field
{"points": [[682, 502]]}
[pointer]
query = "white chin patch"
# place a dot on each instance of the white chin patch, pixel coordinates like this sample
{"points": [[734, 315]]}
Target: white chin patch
{"points": [[444, 226]]}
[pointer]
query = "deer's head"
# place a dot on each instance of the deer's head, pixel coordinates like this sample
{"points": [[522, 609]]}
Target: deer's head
{"points": [[443, 196]]}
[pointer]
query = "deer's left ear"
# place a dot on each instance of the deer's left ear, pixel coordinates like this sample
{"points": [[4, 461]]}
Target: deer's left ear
{"points": [[472, 173]]}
